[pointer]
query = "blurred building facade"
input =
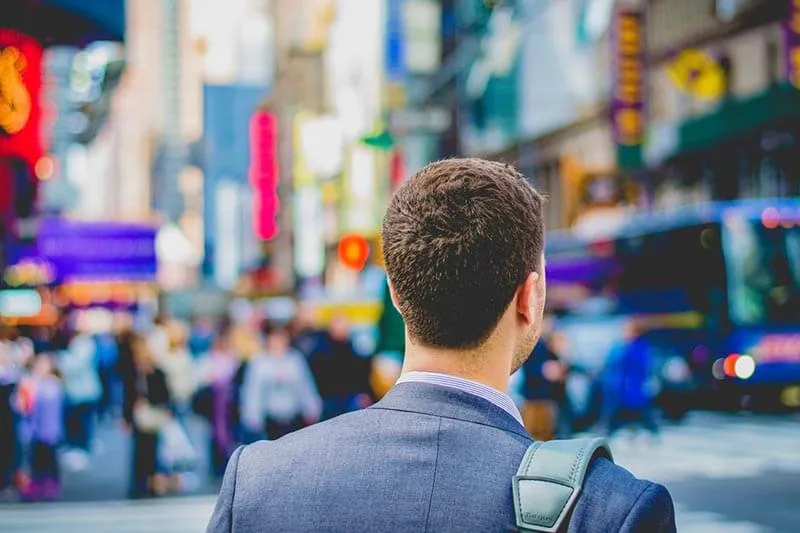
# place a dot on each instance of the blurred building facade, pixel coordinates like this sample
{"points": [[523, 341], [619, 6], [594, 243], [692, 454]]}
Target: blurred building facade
{"points": [[549, 84], [61, 64], [267, 136], [736, 137]]}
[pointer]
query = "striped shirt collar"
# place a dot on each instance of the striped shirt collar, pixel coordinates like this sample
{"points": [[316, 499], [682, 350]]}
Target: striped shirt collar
{"points": [[491, 395]]}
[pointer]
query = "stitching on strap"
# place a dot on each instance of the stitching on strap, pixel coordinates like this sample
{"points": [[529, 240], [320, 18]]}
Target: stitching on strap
{"points": [[578, 460]]}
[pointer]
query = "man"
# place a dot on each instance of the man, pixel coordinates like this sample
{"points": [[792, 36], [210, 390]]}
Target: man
{"points": [[463, 246]]}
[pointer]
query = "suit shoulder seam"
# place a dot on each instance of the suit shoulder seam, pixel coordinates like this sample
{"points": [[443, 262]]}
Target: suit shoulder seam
{"points": [[649, 487], [236, 480], [441, 417], [435, 469]]}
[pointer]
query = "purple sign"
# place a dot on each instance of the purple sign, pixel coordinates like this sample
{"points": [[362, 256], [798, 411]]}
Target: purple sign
{"points": [[628, 89], [791, 37], [580, 270], [98, 251]]}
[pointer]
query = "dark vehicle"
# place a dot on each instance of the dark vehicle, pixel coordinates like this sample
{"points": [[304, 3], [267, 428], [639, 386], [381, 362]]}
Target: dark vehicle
{"points": [[717, 287]]}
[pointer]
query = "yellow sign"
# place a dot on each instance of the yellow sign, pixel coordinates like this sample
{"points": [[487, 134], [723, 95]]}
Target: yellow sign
{"points": [[360, 312], [15, 100], [698, 74], [629, 83], [792, 44]]}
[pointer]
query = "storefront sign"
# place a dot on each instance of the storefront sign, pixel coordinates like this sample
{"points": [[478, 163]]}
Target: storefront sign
{"points": [[395, 62], [791, 35], [20, 85], [264, 173], [98, 250], [627, 105]]}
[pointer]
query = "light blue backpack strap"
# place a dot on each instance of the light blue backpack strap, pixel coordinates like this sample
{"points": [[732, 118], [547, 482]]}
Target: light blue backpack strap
{"points": [[549, 481]]}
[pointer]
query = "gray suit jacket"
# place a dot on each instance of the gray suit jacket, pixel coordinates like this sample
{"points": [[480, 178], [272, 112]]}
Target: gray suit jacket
{"points": [[425, 458]]}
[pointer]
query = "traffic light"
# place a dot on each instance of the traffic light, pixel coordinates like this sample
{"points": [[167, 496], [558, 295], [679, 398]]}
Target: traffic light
{"points": [[353, 251]]}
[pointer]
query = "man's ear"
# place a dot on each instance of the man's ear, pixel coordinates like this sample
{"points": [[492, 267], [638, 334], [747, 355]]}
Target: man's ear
{"points": [[526, 298]]}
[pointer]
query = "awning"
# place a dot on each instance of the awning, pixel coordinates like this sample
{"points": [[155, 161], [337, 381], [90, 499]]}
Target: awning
{"points": [[778, 105], [67, 22]]}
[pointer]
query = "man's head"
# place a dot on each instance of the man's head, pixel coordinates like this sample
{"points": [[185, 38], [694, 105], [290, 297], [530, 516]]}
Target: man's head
{"points": [[463, 244]]}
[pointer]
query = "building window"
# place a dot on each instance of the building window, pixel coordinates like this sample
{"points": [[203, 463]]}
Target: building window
{"points": [[772, 62], [727, 10], [726, 64]]}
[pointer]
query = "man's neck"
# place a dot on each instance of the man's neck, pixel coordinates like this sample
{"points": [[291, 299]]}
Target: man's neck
{"points": [[476, 366]]}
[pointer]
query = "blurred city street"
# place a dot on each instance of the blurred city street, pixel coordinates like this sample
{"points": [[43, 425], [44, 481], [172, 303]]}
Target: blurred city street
{"points": [[104, 480], [197, 207], [727, 473]]}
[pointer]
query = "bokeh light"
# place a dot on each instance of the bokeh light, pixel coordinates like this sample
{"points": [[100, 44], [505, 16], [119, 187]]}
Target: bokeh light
{"points": [[770, 218], [745, 367]]}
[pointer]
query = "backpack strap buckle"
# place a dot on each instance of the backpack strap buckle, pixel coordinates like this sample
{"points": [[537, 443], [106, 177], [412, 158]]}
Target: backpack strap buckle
{"points": [[550, 479]]}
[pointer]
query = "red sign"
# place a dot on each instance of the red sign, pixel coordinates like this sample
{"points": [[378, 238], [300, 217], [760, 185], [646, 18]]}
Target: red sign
{"points": [[397, 170], [353, 251], [264, 174], [20, 87]]}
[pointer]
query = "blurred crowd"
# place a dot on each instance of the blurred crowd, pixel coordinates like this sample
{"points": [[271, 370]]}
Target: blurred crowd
{"points": [[248, 379], [559, 396]]}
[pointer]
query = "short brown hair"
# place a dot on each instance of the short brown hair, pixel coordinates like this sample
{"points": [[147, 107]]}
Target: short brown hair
{"points": [[459, 238]]}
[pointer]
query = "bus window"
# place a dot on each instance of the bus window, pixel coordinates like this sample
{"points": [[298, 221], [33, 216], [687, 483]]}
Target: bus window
{"points": [[763, 266], [678, 270]]}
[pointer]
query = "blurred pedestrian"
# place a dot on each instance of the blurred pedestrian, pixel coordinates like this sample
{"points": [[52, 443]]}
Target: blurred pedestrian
{"points": [[386, 369], [181, 373], [78, 365], [306, 335], [179, 368], [15, 352], [342, 376], [543, 381], [158, 338], [201, 336], [218, 370], [146, 412], [279, 395], [43, 406], [629, 379], [107, 355]]}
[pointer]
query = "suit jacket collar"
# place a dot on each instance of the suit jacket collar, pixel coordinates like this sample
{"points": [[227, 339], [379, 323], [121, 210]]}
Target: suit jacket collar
{"points": [[436, 400]]}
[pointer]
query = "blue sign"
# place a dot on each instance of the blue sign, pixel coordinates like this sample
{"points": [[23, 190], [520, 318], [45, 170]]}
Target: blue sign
{"points": [[395, 46], [98, 251]]}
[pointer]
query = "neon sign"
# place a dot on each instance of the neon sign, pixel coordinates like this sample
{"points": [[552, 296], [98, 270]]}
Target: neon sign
{"points": [[264, 174], [15, 100], [778, 348], [20, 85], [627, 107], [791, 35]]}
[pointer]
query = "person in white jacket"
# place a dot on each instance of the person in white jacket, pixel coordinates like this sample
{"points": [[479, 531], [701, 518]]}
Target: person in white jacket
{"points": [[182, 377], [279, 394], [78, 366], [180, 369]]}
